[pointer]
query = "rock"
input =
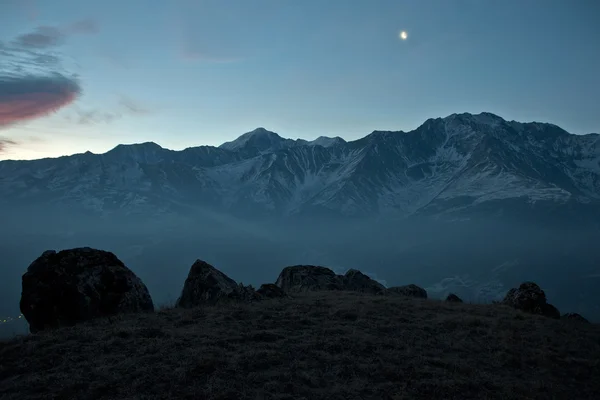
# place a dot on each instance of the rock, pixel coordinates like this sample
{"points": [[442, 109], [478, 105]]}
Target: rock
{"points": [[408, 290], [245, 294], [355, 280], [452, 298], [529, 297], [206, 285], [271, 291], [574, 317], [71, 286], [304, 278]]}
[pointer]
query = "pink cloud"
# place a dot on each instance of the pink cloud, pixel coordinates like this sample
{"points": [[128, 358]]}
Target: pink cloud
{"points": [[27, 98]]}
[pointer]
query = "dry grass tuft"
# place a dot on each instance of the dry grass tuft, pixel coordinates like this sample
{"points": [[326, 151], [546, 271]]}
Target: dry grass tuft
{"points": [[328, 345]]}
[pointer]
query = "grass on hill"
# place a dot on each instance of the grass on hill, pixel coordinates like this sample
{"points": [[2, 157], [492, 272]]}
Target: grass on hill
{"points": [[323, 345]]}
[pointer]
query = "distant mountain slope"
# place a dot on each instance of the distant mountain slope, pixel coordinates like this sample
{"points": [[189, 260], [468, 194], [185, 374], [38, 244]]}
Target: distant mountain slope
{"points": [[458, 165]]}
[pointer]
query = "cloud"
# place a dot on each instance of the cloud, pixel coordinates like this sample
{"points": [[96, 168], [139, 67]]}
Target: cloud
{"points": [[46, 59], [132, 106], [4, 143], [29, 97], [125, 106], [44, 37], [33, 82], [35, 52], [92, 117], [18, 61]]}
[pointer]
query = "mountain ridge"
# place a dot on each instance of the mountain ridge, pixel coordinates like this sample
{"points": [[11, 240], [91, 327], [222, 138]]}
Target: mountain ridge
{"points": [[446, 165], [304, 141]]}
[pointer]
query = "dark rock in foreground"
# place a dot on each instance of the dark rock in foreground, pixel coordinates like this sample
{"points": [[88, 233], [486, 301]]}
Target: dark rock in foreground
{"points": [[408, 290], [529, 297], [206, 285], [574, 317], [306, 278], [271, 291], [246, 294], [452, 298], [71, 286], [356, 281]]}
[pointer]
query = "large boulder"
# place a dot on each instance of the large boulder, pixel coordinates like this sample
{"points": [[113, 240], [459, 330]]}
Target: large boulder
{"points": [[357, 281], [61, 289], [408, 290], [206, 285], [529, 297], [306, 278], [271, 291]]}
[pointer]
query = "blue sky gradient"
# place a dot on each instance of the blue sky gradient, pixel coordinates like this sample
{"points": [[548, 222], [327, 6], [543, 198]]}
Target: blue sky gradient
{"points": [[187, 73]]}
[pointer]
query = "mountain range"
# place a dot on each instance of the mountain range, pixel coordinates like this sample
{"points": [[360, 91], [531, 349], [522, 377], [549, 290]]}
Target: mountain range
{"points": [[458, 166], [469, 204]]}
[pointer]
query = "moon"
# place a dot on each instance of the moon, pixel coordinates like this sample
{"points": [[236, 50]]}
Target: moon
{"points": [[403, 35]]}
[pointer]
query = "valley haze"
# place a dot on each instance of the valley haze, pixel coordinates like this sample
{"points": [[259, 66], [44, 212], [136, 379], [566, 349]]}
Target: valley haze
{"points": [[469, 204]]}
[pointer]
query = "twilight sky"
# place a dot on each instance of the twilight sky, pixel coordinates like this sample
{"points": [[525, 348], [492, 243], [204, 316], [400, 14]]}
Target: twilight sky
{"points": [[79, 75]]}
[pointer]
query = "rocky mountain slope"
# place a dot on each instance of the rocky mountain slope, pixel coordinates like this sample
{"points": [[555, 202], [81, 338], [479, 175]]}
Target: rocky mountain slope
{"points": [[461, 164]]}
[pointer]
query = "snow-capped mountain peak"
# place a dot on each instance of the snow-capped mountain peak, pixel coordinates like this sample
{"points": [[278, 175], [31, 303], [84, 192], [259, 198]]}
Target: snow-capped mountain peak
{"points": [[259, 139]]}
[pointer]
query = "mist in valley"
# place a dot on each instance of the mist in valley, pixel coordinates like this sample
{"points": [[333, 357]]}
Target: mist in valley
{"points": [[479, 260]]}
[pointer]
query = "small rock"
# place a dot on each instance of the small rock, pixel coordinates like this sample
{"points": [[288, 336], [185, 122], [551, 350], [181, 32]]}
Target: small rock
{"points": [[271, 291], [245, 294], [529, 297], [408, 290], [452, 298], [355, 280]]}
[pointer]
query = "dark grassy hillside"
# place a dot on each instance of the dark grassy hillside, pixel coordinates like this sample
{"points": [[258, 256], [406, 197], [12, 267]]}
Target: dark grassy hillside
{"points": [[325, 345]]}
